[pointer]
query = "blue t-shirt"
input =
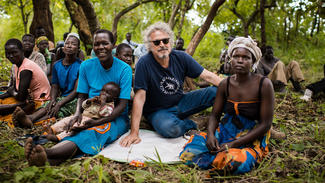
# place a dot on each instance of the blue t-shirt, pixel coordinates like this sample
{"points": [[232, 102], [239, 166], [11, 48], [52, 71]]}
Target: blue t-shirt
{"points": [[65, 76], [92, 77], [164, 86]]}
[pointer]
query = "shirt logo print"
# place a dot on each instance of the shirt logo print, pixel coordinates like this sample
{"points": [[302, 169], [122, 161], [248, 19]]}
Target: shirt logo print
{"points": [[169, 85]]}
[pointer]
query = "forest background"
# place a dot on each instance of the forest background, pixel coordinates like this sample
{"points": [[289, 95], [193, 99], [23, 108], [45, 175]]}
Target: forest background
{"points": [[295, 28]]}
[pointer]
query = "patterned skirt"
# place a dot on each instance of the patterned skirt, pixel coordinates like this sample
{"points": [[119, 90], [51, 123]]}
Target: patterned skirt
{"points": [[235, 160]]}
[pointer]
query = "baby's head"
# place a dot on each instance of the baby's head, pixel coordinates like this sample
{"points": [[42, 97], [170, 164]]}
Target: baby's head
{"points": [[109, 92]]}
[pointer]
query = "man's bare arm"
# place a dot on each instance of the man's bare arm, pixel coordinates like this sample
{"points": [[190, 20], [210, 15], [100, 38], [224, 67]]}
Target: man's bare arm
{"points": [[138, 102]]}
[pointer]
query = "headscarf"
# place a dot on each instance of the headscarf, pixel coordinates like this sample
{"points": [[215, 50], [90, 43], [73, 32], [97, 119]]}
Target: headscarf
{"points": [[42, 38], [73, 35], [249, 44]]}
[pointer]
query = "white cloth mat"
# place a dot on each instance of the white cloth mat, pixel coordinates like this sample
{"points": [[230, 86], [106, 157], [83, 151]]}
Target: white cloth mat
{"points": [[151, 144]]}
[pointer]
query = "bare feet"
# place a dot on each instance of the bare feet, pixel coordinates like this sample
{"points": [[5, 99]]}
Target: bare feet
{"points": [[277, 135], [47, 129], [52, 138], [48, 132], [28, 147], [35, 155], [20, 118]]}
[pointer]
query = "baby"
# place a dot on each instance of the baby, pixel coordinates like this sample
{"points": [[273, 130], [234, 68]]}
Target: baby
{"points": [[94, 108]]}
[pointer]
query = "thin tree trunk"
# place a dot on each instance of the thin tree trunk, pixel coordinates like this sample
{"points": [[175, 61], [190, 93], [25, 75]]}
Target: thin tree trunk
{"points": [[24, 15], [263, 35], [187, 6], [79, 20], [313, 25], [172, 18], [181, 23], [205, 27], [200, 34], [90, 14], [285, 29], [42, 17]]}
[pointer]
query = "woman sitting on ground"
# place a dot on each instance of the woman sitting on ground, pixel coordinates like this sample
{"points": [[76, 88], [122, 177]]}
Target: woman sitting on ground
{"points": [[42, 44], [240, 140], [64, 82], [30, 81], [94, 134]]}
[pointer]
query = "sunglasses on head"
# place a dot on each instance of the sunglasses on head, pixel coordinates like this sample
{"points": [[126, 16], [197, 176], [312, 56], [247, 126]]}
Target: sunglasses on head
{"points": [[157, 42]]}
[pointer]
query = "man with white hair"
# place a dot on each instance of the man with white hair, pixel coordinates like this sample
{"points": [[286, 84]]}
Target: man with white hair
{"points": [[159, 78]]}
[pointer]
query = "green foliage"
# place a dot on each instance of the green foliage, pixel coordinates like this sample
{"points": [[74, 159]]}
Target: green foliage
{"points": [[5, 70]]}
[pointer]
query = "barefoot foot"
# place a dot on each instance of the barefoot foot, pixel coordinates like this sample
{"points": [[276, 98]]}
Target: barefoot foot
{"points": [[47, 129], [52, 138], [28, 147], [38, 156], [19, 118]]}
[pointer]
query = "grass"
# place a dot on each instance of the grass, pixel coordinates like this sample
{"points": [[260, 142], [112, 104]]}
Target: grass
{"points": [[298, 158]]}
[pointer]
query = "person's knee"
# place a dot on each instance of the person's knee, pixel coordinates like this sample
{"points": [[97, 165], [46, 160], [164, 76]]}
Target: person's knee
{"points": [[167, 128], [211, 93], [279, 65], [293, 63], [170, 130]]}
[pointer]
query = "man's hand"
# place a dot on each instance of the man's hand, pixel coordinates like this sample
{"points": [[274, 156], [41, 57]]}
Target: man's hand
{"points": [[130, 139]]}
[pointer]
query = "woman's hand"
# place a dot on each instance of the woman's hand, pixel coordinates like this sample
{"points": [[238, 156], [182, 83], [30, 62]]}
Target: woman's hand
{"points": [[77, 119], [87, 124], [226, 147], [49, 106], [54, 111], [212, 144]]}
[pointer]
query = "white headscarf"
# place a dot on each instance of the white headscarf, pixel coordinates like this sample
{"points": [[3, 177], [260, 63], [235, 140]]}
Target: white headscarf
{"points": [[73, 35], [249, 44]]}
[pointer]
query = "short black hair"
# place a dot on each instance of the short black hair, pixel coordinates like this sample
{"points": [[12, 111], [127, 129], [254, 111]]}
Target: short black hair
{"points": [[109, 33], [269, 47], [16, 42], [116, 87], [121, 46], [28, 35]]}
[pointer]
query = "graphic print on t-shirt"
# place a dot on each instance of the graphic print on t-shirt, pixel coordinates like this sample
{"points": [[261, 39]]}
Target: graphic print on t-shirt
{"points": [[169, 85]]}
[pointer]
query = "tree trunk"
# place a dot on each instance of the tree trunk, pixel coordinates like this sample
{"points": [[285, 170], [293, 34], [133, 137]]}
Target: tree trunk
{"points": [[204, 28], [263, 35], [79, 20], [126, 10], [42, 18], [172, 18], [91, 16], [188, 5], [313, 25], [200, 34], [24, 15], [246, 30]]}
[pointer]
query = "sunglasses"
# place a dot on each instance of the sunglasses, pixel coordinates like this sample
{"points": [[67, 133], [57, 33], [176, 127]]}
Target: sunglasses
{"points": [[157, 42]]}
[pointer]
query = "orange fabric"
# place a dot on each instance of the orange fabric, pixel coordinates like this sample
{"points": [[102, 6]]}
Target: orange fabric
{"points": [[236, 104], [12, 100], [96, 128], [50, 120]]}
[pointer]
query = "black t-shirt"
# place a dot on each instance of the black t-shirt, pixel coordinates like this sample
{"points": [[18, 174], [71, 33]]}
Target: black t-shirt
{"points": [[164, 86]]}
